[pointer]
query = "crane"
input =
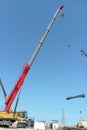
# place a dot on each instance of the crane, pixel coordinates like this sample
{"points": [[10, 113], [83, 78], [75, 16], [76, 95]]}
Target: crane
{"points": [[5, 116], [22, 114], [27, 67], [77, 96]]}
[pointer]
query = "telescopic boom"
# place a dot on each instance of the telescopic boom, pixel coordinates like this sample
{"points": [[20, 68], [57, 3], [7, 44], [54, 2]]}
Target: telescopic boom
{"points": [[26, 68]]}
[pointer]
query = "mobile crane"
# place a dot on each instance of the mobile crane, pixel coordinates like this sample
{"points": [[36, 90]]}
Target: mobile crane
{"points": [[22, 115], [8, 118]]}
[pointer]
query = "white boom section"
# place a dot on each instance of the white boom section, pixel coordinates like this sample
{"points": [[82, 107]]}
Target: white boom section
{"points": [[44, 36]]}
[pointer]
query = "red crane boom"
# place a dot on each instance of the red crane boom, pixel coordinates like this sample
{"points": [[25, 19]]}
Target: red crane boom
{"points": [[26, 68]]}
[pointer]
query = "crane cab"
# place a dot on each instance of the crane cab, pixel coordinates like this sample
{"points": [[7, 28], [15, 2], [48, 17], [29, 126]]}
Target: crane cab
{"points": [[23, 114]]}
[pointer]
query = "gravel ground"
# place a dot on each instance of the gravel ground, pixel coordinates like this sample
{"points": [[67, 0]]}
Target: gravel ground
{"points": [[15, 128]]}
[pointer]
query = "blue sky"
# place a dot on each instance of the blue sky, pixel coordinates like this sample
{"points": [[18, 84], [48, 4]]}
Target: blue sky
{"points": [[58, 71]]}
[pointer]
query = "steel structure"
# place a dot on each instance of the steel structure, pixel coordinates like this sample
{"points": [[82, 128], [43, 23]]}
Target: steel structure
{"points": [[77, 96]]}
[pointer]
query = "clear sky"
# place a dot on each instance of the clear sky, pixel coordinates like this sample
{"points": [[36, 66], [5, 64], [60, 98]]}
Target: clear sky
{"points": [[58, 71]]}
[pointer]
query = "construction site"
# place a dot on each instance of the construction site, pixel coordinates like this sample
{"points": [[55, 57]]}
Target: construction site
{"points": [[11, 118]]}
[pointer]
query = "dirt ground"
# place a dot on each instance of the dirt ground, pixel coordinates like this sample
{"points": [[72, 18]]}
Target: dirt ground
{"points": [[1, 128]]}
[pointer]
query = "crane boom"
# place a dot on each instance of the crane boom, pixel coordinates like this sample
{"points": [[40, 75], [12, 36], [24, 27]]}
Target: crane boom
{"points": [[44, 35], [77, 96], [26, 68], [5, 95]]}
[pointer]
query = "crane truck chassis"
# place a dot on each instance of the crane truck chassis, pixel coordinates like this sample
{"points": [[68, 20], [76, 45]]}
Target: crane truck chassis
{"points": [[8, 118]]}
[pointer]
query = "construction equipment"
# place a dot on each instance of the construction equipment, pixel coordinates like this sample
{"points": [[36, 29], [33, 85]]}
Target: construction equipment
{"points": [[77, 96], [82, 124], [23, 114], [6, 117]]}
